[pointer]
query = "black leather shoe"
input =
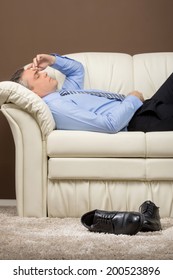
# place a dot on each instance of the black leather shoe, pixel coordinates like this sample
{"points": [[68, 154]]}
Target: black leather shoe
{"points": [[113, 222], [151, 216]]}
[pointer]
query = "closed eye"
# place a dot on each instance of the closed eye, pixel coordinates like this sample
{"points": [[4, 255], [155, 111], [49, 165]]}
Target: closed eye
{"points": [[36, 75]]}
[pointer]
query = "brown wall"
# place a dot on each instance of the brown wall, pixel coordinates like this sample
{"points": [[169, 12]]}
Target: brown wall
{"points": [[66, 26]]}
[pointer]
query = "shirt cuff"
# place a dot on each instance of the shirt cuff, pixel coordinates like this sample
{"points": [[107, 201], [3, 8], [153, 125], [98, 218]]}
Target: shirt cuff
{"points": [[59, 60], [137, 103]]}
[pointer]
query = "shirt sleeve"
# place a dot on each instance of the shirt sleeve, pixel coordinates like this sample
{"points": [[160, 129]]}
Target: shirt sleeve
{"points": [[72, 69], [69, 116], [119, 119]]}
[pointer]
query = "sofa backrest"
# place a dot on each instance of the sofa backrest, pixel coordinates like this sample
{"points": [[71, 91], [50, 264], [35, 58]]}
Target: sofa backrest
{"points": [[107, 71], [119, 72], [151, 70]]}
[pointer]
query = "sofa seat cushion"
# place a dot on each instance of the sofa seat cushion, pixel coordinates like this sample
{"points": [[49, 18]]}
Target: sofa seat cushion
{"points": [[70, 144], [83, 144], [159, 144]]}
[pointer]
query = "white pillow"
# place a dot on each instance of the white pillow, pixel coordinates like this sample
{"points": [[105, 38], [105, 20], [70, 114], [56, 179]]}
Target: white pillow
{"points": [[11, 92]]}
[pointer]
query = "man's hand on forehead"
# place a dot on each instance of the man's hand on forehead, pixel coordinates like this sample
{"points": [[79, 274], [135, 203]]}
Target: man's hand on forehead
{"points": [[41, 61]]}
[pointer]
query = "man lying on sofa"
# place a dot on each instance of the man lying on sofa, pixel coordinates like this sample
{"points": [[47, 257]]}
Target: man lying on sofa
{"points": [[77, 109]]}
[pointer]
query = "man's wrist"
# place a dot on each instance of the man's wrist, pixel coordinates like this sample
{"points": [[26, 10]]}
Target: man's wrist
{"points": [[53, 58]]}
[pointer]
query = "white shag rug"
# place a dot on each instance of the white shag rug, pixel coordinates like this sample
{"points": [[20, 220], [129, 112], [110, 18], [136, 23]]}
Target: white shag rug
{"points": [[68, 239]]}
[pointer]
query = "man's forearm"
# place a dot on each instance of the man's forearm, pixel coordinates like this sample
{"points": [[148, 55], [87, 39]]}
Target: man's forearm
{"points": [[72, 69], [66, 65]]}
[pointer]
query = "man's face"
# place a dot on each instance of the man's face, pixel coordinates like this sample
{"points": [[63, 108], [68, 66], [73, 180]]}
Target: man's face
{"points": [[39, 81]]}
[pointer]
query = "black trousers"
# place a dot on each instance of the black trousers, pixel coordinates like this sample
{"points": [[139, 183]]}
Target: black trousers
{"points": [[156, 113]]}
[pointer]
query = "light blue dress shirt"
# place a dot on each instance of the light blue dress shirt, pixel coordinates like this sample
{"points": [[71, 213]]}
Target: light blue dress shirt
{"points": [[84, 111]]}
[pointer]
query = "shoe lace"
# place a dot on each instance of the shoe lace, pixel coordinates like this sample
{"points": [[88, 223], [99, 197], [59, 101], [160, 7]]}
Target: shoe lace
{"points": [[106, 219]]}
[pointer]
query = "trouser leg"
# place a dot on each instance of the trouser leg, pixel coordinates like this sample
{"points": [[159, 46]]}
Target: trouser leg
{"points": [[142, 122], [156, 114], [150, 122], [165, 92]]}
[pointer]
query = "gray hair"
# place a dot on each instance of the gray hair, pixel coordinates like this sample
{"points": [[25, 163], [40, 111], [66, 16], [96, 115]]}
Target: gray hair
{"points": [[16, 77]]}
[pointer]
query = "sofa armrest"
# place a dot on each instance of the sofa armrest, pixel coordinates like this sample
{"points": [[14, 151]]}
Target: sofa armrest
{"points": [[28, 101], [31, 162]]}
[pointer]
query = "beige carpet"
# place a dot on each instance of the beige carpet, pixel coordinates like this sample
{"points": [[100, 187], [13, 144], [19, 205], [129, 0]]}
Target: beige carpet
{"points": [[53, 238]]}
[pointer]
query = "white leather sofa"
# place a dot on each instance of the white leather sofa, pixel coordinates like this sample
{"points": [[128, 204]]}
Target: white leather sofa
{"points": [[67, 173]]}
